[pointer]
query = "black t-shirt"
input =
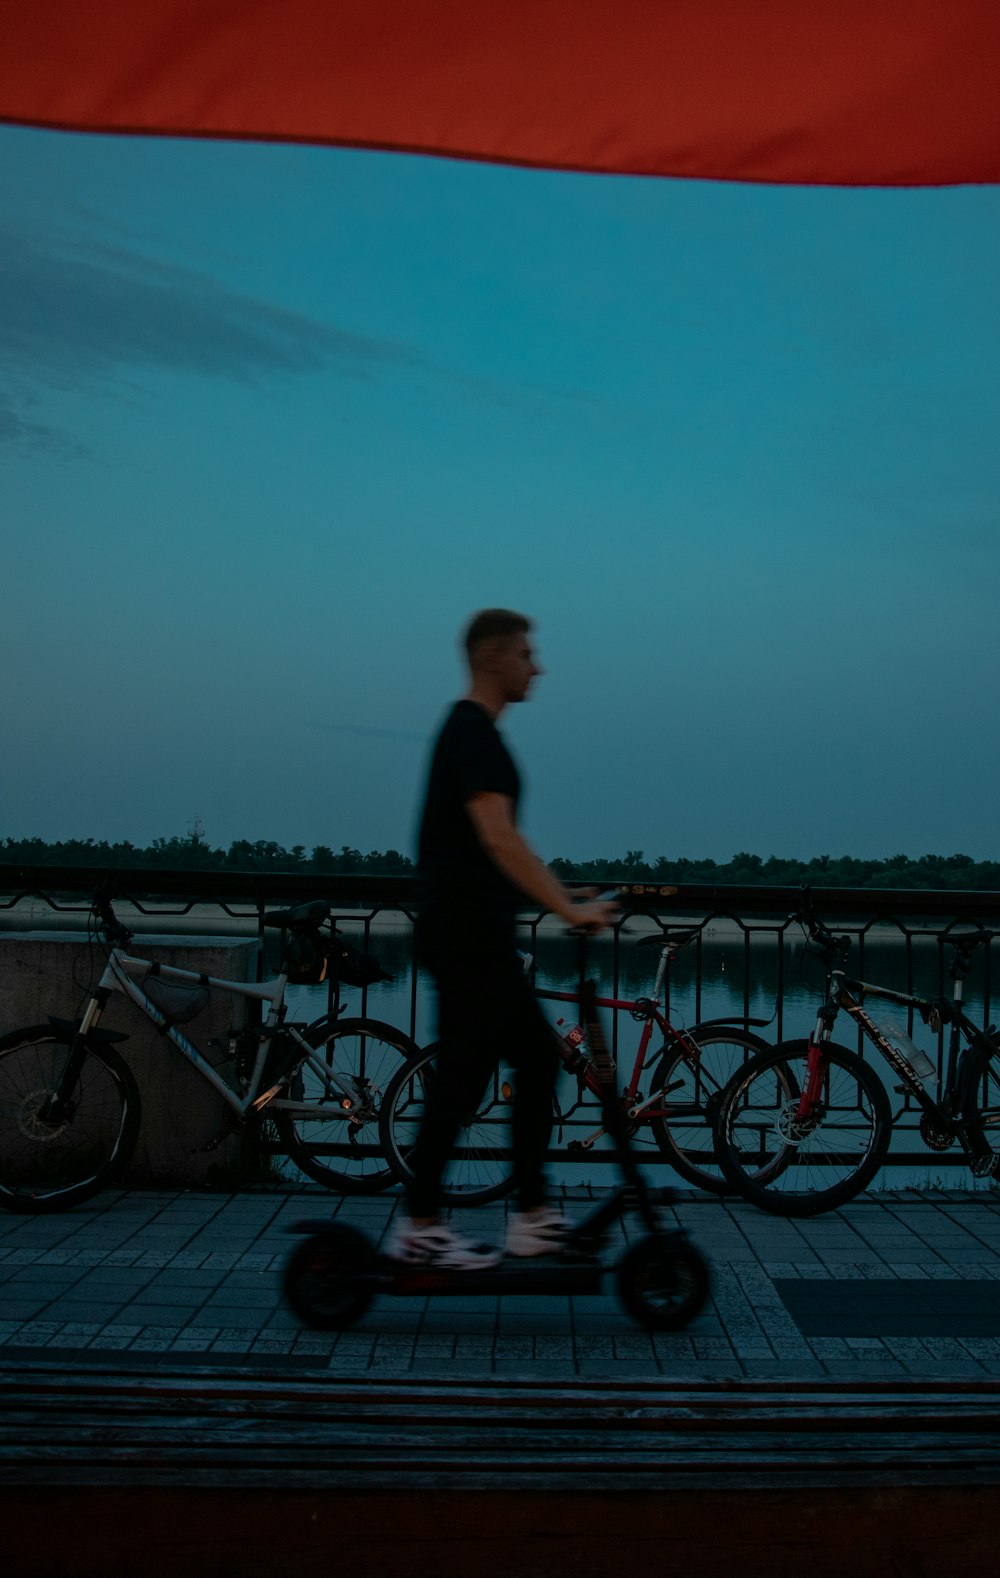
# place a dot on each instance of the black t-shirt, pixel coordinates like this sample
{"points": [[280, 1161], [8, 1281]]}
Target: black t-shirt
{"points": [[455, 874]]}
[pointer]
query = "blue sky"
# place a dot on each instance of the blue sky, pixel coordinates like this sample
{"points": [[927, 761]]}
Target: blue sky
{"points": [[275, 420]]}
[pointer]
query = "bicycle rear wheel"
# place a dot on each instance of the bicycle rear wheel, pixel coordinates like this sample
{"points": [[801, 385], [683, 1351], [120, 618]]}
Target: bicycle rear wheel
{"points": [[801, 1166], [691, 1084], [337, 1148], [481, 1167], [982, 1106], [50, 1161]]}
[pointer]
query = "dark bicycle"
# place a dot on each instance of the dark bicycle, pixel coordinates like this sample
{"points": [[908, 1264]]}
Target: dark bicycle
{"points": [[805, 1127], [669, 1094]]}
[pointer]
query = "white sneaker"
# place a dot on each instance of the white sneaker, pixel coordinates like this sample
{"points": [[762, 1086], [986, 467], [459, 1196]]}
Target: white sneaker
{"points": [[438, 1245], [542, 1232]]}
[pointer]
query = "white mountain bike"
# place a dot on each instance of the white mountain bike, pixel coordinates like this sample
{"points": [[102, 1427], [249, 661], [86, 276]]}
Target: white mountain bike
{"points": [[70, 1106]]}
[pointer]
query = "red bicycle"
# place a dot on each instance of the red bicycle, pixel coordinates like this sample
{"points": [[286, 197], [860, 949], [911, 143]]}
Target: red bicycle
{"points": [[673, 1093]]}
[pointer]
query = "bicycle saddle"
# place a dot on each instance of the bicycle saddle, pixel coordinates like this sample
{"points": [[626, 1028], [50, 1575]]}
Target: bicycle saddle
{"points": [[670, 939], [967, 940], [312, 914]]}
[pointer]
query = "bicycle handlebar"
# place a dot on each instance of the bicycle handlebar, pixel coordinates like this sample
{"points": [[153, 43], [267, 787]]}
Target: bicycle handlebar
{"points": [[113, 929], [818, 933]]}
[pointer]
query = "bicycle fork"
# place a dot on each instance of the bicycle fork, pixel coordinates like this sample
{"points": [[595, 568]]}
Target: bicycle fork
{"points": [[78, 1037]]}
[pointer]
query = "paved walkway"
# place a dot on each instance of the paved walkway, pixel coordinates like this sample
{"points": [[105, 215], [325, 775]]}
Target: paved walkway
{"points": [[895, 1284]]}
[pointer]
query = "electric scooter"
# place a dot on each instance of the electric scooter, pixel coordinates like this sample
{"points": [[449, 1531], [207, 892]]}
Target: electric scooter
{"points": [[332, 1277]]}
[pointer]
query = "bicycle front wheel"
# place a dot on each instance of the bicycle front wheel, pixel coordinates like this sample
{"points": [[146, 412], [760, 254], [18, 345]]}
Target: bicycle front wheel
{"points": [[58, 1148], [481, 1167], [336, 1147], [795, 1164], [691, 1082]]}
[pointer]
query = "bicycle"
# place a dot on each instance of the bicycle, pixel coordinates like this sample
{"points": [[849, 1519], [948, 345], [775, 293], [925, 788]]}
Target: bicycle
{"points": [[686, 1080], [70, 1108], [804, 1127]]}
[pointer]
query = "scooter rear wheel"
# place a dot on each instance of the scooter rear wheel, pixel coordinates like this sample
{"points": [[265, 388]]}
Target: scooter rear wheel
{"points": [[330, 1278], [663, 1282]]}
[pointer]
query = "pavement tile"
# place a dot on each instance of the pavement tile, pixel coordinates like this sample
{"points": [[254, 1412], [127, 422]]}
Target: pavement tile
{"points": [[949, 1349], [673, 1345], [354, 1342], [192, 1264], [280, 1319], [467, 1346], [471, 1321], [985, 1350], [909, 1351], [51, 1278], [160, 1314], [224, 1298], [36, 1333]]}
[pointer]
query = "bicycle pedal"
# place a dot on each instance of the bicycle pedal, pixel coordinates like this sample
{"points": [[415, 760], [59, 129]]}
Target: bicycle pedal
{"points": [[267, 1096], [984, 1166]]}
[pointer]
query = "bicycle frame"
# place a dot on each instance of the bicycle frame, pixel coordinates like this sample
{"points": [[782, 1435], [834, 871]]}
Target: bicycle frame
{"points": [[123, 973], [951, 1092], [649, 1010]]}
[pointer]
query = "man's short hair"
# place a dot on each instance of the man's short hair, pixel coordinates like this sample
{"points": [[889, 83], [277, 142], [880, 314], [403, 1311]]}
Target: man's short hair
{"points": [[492, 624]]}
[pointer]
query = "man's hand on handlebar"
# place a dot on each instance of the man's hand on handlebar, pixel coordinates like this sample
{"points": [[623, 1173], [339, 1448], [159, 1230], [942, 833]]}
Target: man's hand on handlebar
{"points": [[592, 914]]}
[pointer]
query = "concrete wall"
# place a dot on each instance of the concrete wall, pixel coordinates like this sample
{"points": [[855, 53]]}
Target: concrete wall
{"points": [[43, 973]]}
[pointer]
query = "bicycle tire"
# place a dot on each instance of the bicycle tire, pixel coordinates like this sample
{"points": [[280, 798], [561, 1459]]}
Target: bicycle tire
{"points": [[55, 1166], [692, 1091], [820, 1167], [339, 1150], [481, 1168], [981, 1110]]}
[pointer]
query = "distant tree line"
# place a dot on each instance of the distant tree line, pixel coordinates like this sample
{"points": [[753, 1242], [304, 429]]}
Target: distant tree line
{"points": [[824, 871], [194, 853]]}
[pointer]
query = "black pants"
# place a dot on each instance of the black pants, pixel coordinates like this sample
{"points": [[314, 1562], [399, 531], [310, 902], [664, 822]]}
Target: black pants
{"points": [[486, 1011]]}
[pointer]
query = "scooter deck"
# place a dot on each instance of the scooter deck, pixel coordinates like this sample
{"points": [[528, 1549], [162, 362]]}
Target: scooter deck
{"points": [[553, 1274], [570, 1272]]}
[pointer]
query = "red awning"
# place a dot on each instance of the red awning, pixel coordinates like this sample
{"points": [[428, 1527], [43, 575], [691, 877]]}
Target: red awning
{"points": [[842, 92]]}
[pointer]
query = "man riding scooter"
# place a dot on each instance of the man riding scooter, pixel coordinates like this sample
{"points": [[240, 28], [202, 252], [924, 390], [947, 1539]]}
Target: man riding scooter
{"points": [[474, 868]]}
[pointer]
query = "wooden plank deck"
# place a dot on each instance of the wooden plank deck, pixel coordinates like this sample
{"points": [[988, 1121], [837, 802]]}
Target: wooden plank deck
{"points": [[202, 1425], [232, 1470]]}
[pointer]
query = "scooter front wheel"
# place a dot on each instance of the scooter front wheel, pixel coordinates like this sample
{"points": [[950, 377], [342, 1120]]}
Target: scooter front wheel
{"points": [[330, 1278], [663, 1282]]}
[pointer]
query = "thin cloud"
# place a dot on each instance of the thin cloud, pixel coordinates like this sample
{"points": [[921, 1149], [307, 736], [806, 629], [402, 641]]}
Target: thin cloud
{"points": [[24, 436], [72, 311]]}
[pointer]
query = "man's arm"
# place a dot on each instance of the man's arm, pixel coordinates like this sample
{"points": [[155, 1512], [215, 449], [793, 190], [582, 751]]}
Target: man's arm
{"points": [[492, 817]]}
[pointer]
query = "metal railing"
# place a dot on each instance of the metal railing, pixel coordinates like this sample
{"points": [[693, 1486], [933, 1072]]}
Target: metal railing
{"points": [[745, 959]]}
